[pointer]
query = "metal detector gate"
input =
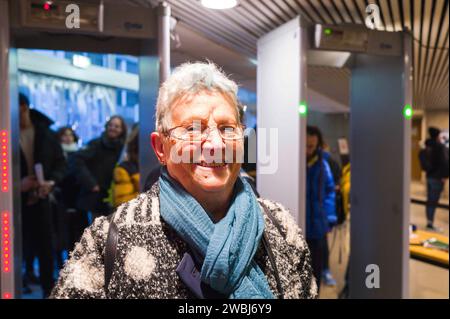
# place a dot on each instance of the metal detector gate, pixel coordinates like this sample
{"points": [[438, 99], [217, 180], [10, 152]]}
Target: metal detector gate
{"points": [[102, 27], [381, 90]]}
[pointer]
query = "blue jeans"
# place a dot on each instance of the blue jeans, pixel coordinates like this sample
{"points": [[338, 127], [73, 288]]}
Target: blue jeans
{"points": [[434, 189]]}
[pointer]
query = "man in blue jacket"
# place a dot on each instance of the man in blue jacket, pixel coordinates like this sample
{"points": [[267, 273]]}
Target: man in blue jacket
{"points": [[320, 200]]}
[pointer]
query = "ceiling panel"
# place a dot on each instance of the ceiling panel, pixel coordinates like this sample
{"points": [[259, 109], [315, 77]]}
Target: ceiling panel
{"points": [[240, 27]]}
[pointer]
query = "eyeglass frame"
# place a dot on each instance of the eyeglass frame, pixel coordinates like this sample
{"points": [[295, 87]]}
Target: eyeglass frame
{"points": [[169, 131]]}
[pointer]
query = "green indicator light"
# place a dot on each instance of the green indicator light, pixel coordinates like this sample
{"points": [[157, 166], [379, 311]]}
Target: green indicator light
{"points": [[327, 31], [408, 112], [303, 109]]}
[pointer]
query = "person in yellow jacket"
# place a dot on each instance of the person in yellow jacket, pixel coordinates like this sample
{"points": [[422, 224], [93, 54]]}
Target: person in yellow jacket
{"points": [[345, 188], [126, 175]]}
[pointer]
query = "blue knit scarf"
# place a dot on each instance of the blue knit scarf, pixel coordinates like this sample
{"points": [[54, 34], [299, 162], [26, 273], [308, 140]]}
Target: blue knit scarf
{"points": [[226, 247]]}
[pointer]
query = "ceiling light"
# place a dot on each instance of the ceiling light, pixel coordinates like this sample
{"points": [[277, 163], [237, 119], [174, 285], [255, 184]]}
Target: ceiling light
{"points": [[219, 4]]}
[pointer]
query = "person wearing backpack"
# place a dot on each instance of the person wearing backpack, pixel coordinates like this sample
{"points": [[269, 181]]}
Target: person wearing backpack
{"points": [[434, 161]]}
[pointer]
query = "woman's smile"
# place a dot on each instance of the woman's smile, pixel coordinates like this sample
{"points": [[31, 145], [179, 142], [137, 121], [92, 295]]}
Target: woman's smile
{"points": [[213, 166]]}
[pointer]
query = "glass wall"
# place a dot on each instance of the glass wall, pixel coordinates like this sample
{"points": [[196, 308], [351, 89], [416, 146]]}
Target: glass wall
{"points": [[84, 106], [87, 106]]}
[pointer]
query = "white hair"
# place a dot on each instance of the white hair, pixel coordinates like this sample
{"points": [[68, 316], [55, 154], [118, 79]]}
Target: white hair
{"points": [[191, 78]]}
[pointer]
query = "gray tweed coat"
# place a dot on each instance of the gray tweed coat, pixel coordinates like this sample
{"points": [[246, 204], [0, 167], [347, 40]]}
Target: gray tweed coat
{"points": [[149, 252]]}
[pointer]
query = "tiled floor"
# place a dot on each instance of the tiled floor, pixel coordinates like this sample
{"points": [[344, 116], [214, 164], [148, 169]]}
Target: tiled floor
{"points": [[426, 281]]}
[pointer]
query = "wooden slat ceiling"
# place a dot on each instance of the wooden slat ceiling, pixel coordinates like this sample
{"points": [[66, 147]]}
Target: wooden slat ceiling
{"points": [[427, 20]]}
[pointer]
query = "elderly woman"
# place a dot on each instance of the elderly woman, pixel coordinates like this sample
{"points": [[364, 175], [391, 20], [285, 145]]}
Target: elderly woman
{"points": [[199, 231]]}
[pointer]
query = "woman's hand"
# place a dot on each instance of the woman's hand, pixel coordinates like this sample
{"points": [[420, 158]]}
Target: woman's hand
{"points": [[28, 183], [45, 189]]}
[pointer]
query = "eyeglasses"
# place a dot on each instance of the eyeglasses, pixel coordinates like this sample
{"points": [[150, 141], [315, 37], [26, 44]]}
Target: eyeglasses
{"points": [[197, 133]]}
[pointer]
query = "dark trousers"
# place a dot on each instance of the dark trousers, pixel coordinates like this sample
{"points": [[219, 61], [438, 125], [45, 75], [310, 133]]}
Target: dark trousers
{"points": [[37, 230], [434, 189], [60, 233], [316, 248], [326, 254], [77, 221]]}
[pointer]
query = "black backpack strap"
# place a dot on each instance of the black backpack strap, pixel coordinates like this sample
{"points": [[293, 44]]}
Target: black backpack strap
{"points": [[273, 219], [274, 265], [110, 250], [269, 251]]}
